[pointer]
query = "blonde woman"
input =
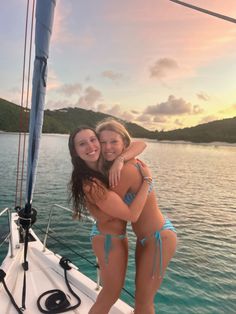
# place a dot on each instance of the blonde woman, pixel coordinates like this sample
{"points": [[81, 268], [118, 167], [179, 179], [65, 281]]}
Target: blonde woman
{"points": [[156, 236]]}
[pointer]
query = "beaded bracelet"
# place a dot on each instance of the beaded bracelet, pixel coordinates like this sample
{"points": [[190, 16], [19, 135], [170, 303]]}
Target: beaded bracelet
{"points": [[148, 180]]}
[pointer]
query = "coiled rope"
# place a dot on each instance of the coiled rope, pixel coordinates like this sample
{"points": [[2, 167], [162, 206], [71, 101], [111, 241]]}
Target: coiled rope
{"points": [[57, 302]]}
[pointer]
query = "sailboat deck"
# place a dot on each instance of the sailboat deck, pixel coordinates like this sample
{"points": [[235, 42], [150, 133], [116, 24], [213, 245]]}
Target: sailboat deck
{"points": [[45, 274]]}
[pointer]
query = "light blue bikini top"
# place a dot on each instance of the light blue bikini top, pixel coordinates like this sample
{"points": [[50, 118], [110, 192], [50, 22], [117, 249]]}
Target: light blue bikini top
{"points": [[130, 196]]}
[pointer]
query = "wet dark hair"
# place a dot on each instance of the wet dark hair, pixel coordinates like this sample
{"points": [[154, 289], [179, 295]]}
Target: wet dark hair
{"points": [[80, 173]]}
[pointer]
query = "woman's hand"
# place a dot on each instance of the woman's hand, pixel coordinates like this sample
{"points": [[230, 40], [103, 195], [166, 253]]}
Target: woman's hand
{"points": [[115, 170], [144, 169], [94, 191]]}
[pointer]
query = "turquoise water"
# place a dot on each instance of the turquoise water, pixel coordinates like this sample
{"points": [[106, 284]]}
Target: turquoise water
{"points": [[196, 188]]}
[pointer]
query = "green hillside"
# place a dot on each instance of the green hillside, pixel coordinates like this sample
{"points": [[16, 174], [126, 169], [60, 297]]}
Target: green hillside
{"points": [[67, 119], [61, 121], [10, 116], [215, 131]]}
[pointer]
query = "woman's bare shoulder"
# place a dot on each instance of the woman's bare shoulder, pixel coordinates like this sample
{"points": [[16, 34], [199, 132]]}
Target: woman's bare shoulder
{"points": [[130, 166]]}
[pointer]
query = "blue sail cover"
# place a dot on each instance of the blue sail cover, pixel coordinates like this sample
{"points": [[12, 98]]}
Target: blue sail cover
{"points": [[43, 31]]}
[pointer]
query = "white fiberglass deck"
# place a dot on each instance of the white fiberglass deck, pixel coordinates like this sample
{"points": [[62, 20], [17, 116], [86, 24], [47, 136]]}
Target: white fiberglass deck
{"points": [[45, 274]]}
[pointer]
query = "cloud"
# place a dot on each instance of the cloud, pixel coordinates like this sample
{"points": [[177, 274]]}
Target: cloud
{"points": [[112, 75], [134, 111], [160, 119], [101, 107], [127, 116], [208, 119], [178, 122], [172, 106], [57, 104], [229, 110], [197, 109], [233, 106], [162, 67], [70, 89], [203, 96], [53, 82], [115, 110], [89, 99], [144, 118]]}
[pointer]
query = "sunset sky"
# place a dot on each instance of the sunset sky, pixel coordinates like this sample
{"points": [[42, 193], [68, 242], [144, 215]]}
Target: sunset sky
{"points": [[152, 62]]}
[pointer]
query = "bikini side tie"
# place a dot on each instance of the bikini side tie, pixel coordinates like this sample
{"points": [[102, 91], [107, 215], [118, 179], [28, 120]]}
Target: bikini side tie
{"points": [[158, 242], [107, 246]]}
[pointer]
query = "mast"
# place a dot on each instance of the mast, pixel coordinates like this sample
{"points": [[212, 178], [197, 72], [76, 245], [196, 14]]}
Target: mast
{"points": [[43, 30]]}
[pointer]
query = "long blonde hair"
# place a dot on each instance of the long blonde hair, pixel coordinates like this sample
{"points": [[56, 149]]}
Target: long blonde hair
{"points": [[111, 124]]}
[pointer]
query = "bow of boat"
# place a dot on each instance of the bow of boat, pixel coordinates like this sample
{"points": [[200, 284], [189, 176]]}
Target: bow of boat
{"points": [[44, 273]]}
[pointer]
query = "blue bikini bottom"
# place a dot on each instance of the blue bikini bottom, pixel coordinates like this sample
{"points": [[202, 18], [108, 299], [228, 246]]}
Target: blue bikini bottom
{"points": [[157, 235], [108, 239], [158, 240]]}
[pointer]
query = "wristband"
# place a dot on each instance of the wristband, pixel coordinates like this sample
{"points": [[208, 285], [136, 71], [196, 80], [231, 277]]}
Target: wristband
{"points": [[121, 158]]}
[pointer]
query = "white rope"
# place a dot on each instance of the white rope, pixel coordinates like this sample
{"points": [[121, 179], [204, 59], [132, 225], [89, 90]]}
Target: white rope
{"points": [[220, 16]]}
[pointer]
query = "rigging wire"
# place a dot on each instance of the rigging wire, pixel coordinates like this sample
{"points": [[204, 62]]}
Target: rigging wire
{"points": [[21, 103], [23, 118], [218, 15]]}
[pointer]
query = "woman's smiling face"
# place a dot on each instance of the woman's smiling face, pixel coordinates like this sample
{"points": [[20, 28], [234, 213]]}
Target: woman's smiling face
{"points": [[112, 144], [87, 146]]}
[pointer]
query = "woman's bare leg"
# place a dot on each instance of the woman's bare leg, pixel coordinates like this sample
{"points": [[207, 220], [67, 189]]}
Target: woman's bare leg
{"points": [[112, 273], [147, 285]]}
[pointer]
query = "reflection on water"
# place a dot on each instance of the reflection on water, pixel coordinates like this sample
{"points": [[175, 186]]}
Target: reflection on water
{"points": [[195, 185]]}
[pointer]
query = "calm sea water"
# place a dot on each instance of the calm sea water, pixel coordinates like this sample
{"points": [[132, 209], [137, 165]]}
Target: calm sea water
{"points": [[196, 188]]}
